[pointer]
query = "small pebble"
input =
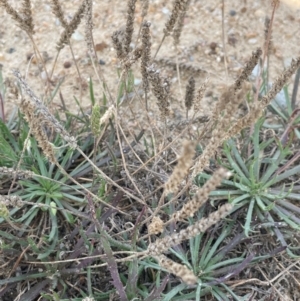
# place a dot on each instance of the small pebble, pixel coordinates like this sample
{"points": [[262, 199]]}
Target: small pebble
{"points": [[213, 46], [256, 70], [77, 36], [232, 13], [137, 81], [67, 64], [11, 50], [252, 41], [232, 40], [100, 46], [43, 75], [29, 55], [101, 62], [165, 11]]}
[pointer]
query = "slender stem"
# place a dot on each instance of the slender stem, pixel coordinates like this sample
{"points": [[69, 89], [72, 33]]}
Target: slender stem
{"points": [[159, 46], [223, 38]]}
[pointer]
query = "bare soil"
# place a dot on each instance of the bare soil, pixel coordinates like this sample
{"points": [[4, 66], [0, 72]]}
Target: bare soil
{"points": [[201, 44]]}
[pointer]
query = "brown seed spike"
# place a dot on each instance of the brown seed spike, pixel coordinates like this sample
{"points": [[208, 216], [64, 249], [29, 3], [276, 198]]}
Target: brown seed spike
{"points": [[129, 25], [177, 269], [162, 245], [180, 23], [116, 39], [178, 6], [201, 196], [146, 54], [251, 63], [72, 26], [160, 89], [181, 170], [189, 95]]}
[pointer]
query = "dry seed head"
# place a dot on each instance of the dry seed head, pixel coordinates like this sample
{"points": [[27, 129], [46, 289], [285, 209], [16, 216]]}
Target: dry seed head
{"points": [[181, 170], [36, 124], [162, 245], [11, 200], [216, 140], [133, 57], [200, 94], [26, 23], [72, 26], [27, 15], [43, 111], [116, 39], [58, 12], [232, 106], [225, 98], [18, 173], [129, 25], [180, 22], [178, 6], [89, 26], [156, 226], [177, 269], [12, 90], [28, 109], [160, 89], [42, 139], [280, 82], [190, 94], [244, 122], [146, 54], [107, 115], [201, 196], [251, 63]]}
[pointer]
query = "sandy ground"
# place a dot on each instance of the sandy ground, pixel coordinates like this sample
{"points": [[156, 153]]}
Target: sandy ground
{"points": [[201, 43]]}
